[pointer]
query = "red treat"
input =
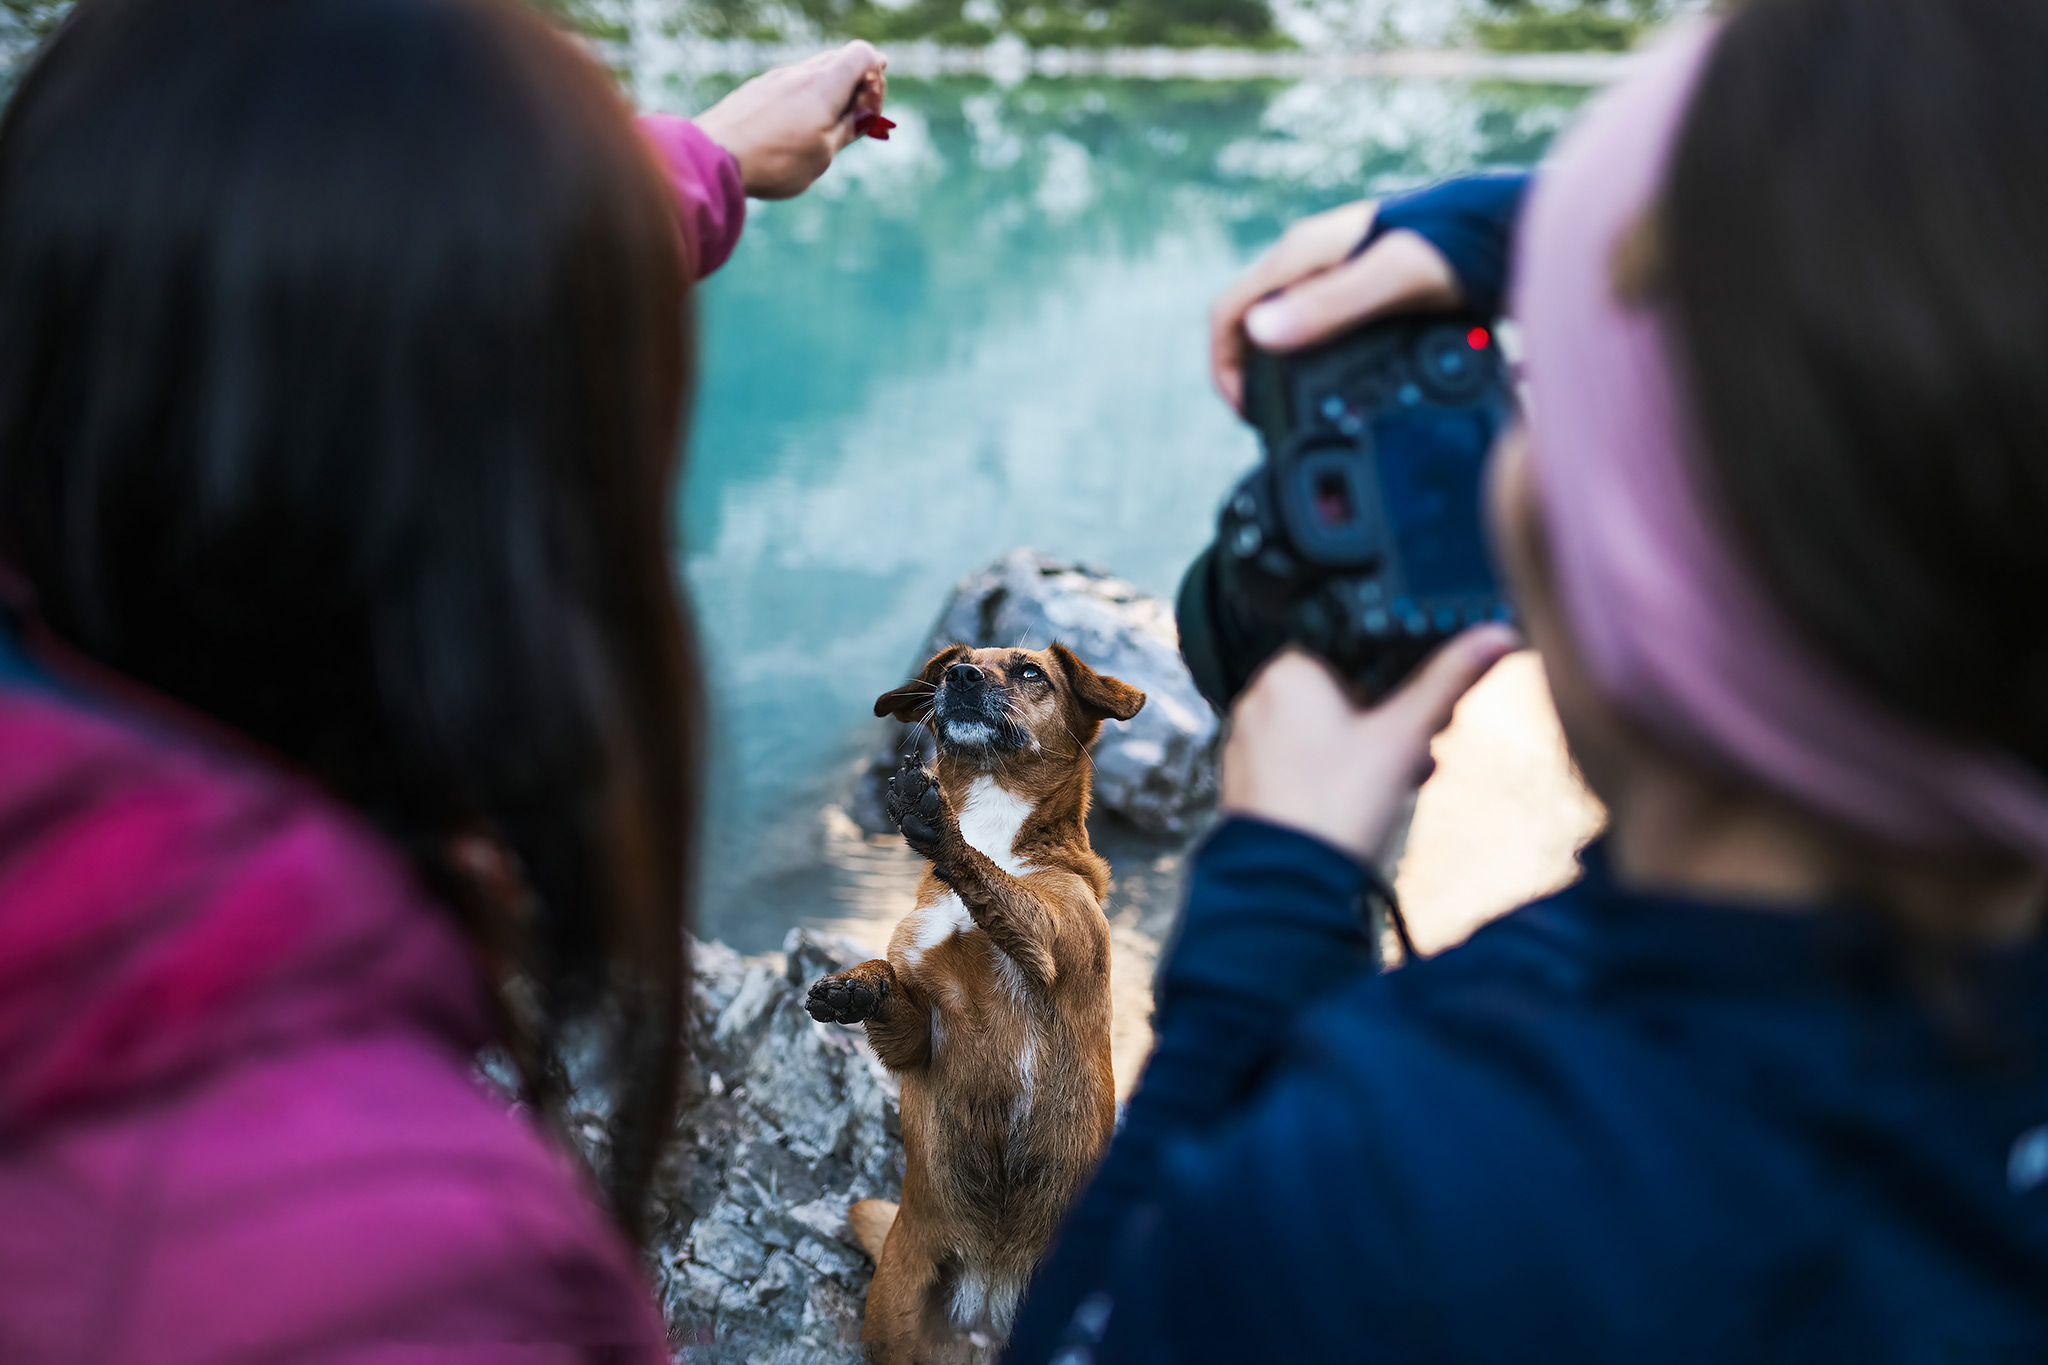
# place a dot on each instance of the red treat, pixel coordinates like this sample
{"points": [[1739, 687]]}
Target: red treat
{"points": [[872, 124]]}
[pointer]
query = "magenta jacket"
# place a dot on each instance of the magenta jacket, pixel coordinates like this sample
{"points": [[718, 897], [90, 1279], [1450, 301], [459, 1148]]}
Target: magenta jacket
{"points": [[237, 1114], [707, 180]]}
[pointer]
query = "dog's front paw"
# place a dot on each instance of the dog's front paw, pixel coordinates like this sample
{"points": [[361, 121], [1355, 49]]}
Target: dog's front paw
{"points": [[918, 807], [845, 999]]}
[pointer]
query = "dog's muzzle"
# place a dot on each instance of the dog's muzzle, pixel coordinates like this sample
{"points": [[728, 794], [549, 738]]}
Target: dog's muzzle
{"points": [[971, 713]]}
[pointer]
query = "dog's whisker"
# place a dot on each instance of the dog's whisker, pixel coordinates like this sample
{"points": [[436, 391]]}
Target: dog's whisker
{"points": [[1080, 749]]}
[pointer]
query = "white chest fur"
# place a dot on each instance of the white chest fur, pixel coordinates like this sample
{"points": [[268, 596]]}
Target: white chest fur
{"points": [[989, 820]]}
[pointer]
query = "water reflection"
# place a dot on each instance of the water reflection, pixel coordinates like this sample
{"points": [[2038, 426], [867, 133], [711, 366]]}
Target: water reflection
{"points": [[984, 333]]}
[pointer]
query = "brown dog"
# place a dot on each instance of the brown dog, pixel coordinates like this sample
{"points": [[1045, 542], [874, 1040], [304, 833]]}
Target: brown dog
{"points": [[993, 1004]]}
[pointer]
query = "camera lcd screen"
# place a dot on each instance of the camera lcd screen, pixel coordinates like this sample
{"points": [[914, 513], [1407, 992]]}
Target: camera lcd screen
{"points": [[1429, 467]]}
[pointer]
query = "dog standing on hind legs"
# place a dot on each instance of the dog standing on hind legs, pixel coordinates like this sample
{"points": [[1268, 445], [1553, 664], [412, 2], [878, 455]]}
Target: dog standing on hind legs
{"points": [[993, 1003]]}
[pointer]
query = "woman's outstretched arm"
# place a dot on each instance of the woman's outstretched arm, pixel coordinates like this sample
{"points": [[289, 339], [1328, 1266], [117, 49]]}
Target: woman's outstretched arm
{"points": [[711, 196], [770, 139]]}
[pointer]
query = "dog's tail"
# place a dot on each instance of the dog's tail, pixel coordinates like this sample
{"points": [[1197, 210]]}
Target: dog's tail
{"points": [[871, 1220]]}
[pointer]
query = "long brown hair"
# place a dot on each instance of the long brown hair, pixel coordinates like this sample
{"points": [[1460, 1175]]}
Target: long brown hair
{"points": [[343, 357], [1853, 244]]}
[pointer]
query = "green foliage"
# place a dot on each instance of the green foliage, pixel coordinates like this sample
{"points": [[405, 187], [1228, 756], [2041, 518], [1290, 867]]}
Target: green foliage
{"points": [[940, 21], [586, 17], [1144, 23], [1052, 23], [1586, 26]]}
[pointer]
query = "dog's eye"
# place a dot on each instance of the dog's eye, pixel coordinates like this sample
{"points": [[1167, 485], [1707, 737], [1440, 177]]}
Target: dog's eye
{"points": [[1029, 673]]}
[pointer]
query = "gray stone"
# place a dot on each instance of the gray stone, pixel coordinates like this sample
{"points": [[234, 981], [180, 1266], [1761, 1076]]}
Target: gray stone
{"points": [[778, 1277], [738, 1023], [752, 1259], [1158, 770], [727, 1248]]}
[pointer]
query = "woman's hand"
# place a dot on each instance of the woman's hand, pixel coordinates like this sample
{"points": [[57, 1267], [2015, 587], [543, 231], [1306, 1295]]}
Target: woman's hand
{"points": [[1301, 755], [785, 126], [1307, 288]]}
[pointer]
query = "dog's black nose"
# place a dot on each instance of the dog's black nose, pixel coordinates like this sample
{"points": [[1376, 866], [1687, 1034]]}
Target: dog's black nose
{"points": [[963, 674]]}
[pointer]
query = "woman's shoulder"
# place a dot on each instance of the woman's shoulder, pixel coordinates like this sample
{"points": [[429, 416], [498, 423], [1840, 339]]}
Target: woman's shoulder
{"points": [[347, 1192], [236, 1099]]}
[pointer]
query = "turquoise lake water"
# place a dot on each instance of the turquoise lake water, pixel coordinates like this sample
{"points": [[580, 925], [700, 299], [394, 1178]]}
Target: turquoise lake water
{"points": [[987, 332]]}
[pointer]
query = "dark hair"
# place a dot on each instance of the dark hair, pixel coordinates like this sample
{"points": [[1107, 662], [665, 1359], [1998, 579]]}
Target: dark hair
{"points": [[343, 352], [1854, 242]]}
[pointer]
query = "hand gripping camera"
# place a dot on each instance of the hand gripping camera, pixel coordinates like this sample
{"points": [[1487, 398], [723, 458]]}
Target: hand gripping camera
{"points": [[1360, 537]]}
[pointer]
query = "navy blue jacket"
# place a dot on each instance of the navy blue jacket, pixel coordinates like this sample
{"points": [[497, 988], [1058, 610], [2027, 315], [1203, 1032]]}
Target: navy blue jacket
{"points": [[1611, 1127], [1471, 221]]}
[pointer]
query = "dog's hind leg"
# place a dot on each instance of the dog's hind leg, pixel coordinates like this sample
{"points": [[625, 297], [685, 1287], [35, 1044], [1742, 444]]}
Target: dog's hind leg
{"points": [[907, 1320], [898, 1018]]}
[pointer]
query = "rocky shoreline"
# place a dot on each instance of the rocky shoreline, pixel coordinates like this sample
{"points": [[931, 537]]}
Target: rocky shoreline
{"points": [[787, 1122]]}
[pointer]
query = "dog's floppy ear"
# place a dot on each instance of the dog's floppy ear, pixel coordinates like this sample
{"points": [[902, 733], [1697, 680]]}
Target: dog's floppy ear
{"points": [[1100, 698], [909, 702]]}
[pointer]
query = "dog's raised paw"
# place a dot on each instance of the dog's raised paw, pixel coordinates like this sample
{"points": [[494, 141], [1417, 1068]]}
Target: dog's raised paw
{"points": [[845, 1000], [918, 807]]}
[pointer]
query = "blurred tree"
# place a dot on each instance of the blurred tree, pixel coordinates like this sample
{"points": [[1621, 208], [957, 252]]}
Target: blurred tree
{"points": [[1573, 26], [593, 18], [1055, 23]]}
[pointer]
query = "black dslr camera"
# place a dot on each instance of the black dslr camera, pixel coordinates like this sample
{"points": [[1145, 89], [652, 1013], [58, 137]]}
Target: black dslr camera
{"points": [[1360, 536]]}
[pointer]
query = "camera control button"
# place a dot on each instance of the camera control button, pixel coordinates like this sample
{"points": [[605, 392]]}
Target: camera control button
{"points": [[1378, 624], [1245, 505], [1446, 619], [1333, 407], [1410, 394], [1248, 541]]}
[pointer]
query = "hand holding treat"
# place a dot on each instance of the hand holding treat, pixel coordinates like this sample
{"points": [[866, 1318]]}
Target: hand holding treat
{"points": [[867, 109], [785, 126]]}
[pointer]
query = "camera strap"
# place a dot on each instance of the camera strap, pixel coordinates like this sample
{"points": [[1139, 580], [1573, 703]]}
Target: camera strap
{"points": [[1379, 889]]}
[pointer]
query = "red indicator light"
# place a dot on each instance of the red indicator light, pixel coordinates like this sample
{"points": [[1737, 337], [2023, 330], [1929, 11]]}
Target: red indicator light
{"points": [[1477, 338]]}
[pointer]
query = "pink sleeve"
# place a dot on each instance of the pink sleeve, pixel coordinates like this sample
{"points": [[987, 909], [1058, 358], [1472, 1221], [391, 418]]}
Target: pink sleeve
{"points": [[707, 181]]}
